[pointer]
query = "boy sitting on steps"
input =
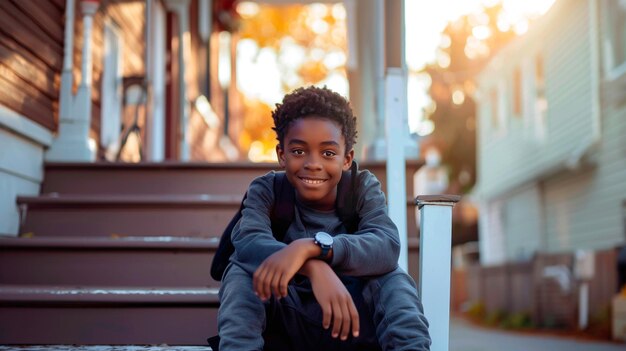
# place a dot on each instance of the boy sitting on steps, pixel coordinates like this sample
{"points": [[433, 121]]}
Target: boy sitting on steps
{"points": [[319, 288]]}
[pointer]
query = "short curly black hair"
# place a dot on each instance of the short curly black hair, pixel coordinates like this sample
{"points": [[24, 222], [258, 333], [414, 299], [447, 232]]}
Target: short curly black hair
{"points": [[315, 101]]}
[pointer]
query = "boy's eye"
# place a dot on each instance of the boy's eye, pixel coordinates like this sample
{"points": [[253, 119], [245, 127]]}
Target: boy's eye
{"points": [[329, 153], [297, 152]]}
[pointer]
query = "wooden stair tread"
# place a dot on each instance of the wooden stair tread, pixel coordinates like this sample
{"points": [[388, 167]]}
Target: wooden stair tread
{"points": [[57, 200], [195, 165], [162, 165], [138, 242], [107, 295]]}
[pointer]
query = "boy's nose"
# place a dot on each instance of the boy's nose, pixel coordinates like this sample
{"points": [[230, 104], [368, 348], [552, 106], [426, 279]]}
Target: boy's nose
{"points": [[312, 163]]}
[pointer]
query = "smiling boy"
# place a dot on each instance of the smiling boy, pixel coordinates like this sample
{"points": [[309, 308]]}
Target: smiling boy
{"points": [[319, 288]]}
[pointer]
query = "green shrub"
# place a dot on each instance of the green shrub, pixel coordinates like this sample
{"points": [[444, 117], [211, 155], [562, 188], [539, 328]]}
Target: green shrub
{"points": [[495, 318], [476, 311], [519, 320]]}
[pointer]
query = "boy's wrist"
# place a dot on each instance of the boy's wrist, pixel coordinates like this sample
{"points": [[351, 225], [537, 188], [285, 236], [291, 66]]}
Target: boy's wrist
{"points": [[310, 267], [308, 247]]}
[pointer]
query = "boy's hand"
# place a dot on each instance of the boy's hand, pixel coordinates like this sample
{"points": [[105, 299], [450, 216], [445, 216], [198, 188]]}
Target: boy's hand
{"points": [[274, 274], [334, 299]]}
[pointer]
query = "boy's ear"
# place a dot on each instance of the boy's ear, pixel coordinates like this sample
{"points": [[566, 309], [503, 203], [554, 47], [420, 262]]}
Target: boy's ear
{"points": [[280, 153], [347, 161]]}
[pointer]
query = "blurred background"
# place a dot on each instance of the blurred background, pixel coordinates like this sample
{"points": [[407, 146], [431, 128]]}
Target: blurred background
{"points": [[519, 106]]}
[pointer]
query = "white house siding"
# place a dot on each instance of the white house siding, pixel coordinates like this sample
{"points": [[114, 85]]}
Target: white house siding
{"points": [[21, 158], [513, 158], [584, 210], [523, 223], [491, 234]]}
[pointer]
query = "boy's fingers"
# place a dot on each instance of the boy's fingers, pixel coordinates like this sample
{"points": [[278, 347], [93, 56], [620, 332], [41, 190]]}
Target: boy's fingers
{"points": [[259, 282], [275, 285], [266, 285], [345, 321], [354, 316], [283, 286], [256, 281], [337, 319], [327, 314]]}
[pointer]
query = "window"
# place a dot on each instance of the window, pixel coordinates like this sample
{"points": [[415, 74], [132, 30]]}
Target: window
{"points": [[498, 108], [517, 93], [495, 121], [615, 38], [541, 102]]}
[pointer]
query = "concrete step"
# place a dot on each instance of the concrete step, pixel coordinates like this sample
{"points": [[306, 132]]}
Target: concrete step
{"points": [[106, 315], [92, 261], [201, 216]]}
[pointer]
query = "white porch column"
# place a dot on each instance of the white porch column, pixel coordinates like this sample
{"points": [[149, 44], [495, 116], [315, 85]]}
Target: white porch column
{"points": [[155, 70], [393, 96], [72, 141], [396, 129], [366, 21], [435, 262], [181, 8]]}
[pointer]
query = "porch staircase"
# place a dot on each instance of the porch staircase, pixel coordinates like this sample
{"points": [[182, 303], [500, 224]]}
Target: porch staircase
{"points": [[120, 253]]}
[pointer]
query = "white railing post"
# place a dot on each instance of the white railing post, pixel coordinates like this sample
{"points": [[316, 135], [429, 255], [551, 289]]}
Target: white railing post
{"points": [[72, 142], [435, 264]]}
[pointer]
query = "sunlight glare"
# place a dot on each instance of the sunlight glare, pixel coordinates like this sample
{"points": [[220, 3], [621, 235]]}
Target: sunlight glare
{"points": [[458, 97], [520, 27], [248, 9], [339, 12], [481, 32]]}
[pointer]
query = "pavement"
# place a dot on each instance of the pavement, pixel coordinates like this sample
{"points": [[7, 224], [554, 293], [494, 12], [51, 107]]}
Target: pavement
{"points": [[463, 337], [467, 337]]}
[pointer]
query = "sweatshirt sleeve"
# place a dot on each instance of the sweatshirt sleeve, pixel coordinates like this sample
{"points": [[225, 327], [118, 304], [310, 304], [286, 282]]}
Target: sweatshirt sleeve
{"points": [[252, 236], [375, 247]]}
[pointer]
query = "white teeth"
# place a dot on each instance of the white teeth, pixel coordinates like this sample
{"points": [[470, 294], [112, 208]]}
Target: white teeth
{"points": [[312, 181]]}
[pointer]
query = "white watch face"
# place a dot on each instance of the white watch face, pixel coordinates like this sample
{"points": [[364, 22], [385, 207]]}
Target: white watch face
{"points": [[324, 239]]}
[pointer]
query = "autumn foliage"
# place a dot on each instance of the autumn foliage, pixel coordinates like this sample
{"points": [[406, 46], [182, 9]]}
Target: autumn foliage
{"points": [[314, 32]]}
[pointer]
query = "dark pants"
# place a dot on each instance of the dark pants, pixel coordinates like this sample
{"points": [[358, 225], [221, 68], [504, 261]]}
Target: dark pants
{"points": [[390, 314]]}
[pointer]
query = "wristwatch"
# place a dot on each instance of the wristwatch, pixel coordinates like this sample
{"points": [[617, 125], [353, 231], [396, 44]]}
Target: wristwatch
{"points": [[325, 242]]}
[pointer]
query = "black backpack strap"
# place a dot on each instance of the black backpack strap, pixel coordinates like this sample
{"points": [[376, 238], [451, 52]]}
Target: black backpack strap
{"points": [[225, 248], [347, 198], [284, 202]]}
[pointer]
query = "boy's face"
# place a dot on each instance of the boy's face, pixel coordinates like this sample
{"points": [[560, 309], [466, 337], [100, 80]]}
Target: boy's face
{"points": [[314, 155]]}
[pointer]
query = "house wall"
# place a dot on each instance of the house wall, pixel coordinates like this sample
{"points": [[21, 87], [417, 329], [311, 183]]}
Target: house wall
{"points": [[546, 204], [31, 55], [523, 223], [584, 209], [515, 154], [21, 156]]}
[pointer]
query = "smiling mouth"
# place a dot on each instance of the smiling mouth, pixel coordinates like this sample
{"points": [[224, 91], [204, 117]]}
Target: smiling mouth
{"points": [[313, 181]]}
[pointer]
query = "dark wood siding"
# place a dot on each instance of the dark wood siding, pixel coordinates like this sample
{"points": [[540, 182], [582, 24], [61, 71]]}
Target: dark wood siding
{"points": [[31, 56]]}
